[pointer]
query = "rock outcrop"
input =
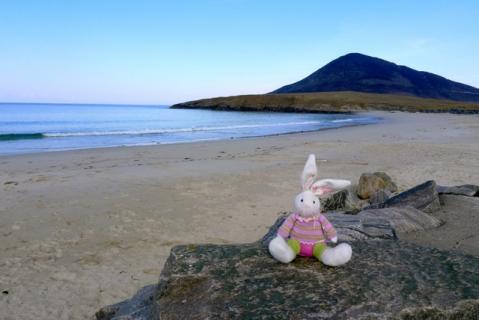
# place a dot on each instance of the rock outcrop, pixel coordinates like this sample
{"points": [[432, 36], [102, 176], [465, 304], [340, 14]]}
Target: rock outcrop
{"points": [[369, 224], [386, 279]]}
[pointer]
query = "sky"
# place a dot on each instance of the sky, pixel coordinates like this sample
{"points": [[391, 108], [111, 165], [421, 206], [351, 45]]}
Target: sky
{"points": [[163, 52]]}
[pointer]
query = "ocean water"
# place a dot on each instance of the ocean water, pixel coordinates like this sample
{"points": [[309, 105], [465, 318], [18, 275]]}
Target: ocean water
{"points": [[29, 128]]}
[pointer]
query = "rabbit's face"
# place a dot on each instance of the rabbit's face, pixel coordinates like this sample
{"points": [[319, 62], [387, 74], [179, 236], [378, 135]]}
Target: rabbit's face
{"points": [[307, 204]]}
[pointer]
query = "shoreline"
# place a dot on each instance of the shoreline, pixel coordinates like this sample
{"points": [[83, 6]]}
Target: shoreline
{"points": [[379, 120], [86, 228], [353, 110]]}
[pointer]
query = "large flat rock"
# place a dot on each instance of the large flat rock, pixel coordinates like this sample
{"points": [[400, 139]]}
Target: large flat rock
{"points": [[243, 281], [385, 279]]}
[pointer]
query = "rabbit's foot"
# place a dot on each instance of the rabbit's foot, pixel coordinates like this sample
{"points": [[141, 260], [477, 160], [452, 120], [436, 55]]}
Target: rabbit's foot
{"points": [[280, 250], [336, 256]]}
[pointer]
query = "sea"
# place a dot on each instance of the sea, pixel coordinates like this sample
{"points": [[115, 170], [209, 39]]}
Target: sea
{"points": [[33, 128]]}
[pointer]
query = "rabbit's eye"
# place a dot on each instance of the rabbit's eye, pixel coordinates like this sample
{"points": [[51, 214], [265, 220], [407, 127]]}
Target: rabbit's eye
{"points": [[301, 200], [314, 202]]}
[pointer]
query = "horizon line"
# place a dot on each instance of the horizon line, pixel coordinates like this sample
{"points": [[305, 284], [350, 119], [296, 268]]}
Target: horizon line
{"points": [[91, 104]]}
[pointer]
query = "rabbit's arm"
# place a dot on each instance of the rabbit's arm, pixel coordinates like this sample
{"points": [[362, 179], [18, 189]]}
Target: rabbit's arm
{"points": [[286, 227], [328, 228]]}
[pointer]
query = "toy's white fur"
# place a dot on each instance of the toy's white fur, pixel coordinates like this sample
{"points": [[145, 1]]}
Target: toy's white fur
{"points": [[326, 186], [308, 204], [280, 250], [337, 256], [309, 172]]}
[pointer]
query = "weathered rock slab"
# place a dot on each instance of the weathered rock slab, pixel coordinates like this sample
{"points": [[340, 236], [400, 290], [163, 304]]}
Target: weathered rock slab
{"points": [[423, 197], [136, 308], [383, 223], [379, 197], [384, 280], [469, 190], [244, 282]]}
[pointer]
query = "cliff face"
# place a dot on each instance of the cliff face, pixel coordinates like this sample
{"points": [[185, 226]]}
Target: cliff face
{"points": [[362, 73]]}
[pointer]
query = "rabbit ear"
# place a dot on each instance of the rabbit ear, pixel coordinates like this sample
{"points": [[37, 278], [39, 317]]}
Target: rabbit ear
{"points": [[309, 172], [328, 186]]}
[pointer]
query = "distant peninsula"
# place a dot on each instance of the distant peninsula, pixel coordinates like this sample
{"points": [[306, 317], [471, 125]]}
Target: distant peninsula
{"points": [[356, 82]]}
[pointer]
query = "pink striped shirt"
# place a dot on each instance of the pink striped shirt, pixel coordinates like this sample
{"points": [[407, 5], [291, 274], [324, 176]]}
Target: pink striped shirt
{"points": [[307, 230]]}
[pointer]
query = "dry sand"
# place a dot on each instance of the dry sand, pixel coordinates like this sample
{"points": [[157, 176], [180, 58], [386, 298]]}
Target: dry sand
{"points": [[82, 229]]}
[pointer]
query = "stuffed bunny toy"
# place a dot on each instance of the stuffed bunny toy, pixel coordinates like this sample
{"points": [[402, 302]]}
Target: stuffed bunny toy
{"points": [[306, 231]]}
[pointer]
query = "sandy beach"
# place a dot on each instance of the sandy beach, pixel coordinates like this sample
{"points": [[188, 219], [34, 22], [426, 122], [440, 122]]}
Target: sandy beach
{"points": [[83, 229]]}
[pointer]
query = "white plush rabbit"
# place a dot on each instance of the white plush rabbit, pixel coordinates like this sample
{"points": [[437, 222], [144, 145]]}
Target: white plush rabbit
{"points": [[306, 231]]}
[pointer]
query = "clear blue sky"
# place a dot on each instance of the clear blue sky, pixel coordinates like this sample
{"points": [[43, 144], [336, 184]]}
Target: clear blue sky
{"points": [[161, 52]]}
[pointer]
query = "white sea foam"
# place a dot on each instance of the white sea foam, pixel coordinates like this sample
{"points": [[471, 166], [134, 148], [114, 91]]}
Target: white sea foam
{"points": [[344, 120], [178, 130]]}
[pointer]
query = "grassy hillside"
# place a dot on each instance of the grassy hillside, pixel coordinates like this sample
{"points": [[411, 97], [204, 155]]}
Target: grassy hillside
{"points": [[344, 101]]}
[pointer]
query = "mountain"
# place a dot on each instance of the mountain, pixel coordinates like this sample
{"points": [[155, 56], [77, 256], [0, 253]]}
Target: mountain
{"points": [[362, 73]]}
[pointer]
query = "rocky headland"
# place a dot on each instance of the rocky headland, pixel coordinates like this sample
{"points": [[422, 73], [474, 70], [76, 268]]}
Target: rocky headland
{"points": [[356, 82], [330, 102]]}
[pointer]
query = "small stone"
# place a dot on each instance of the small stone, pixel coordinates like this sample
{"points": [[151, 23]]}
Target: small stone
{"points": [[390, 185], [368, 184], [64, 276]]}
